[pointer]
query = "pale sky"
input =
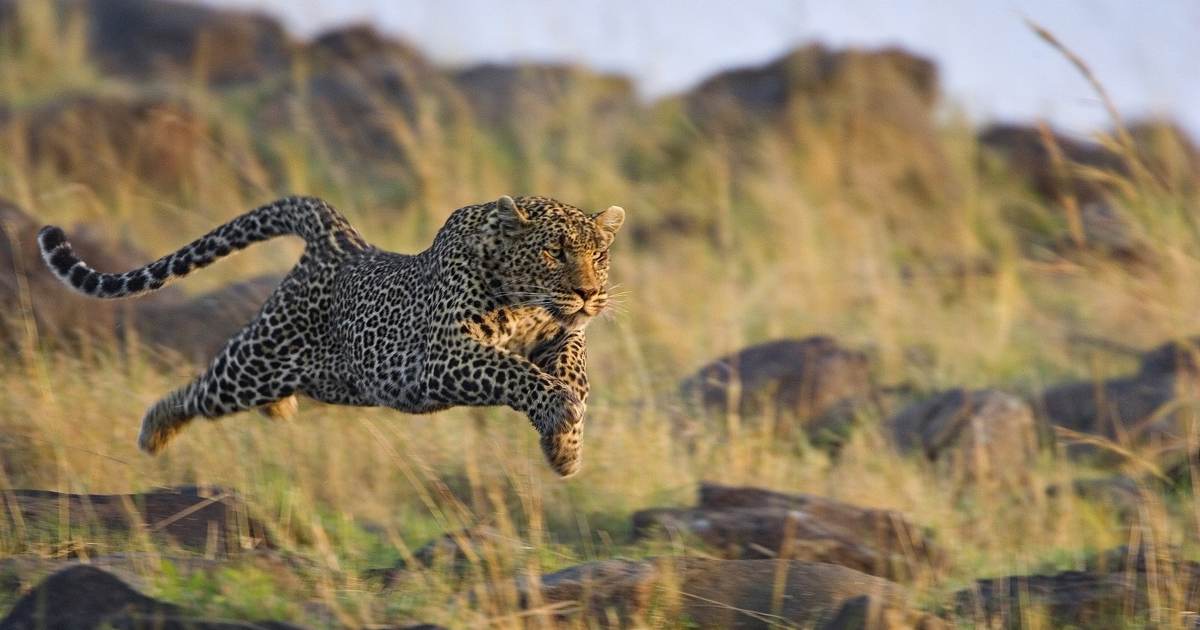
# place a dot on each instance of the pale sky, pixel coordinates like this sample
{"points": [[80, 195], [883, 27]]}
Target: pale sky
{"points": [[1146, 52]]}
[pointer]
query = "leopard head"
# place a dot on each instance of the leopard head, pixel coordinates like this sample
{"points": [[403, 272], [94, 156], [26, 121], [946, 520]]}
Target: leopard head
{"points": [[555, 256]]}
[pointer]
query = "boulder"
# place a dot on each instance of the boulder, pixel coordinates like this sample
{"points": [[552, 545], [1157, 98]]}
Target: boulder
{"points": [[1049, 162], [868, 612], [369, 99], [20, 573], [812, 384], [170, 40], [82, 597], [872, 110], [1121, 587], [212, 521], [468, 544], [197, 328], [1136, 410], [512, 96], [817, 73], [753, 523], [983, 435], [1079, 599], [36, 307], [708, 593], [1031, 155], [104, 141]]}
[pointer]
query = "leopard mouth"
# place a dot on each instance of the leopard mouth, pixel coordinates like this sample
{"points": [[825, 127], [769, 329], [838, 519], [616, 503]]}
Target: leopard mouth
{"points": [[574, 311]]}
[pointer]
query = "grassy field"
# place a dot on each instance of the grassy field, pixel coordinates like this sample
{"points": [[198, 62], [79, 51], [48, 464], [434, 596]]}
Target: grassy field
{"points": [[796, 239]]}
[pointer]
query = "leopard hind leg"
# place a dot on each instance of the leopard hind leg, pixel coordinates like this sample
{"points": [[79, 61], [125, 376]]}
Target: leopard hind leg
{"points": [[233, 382]]}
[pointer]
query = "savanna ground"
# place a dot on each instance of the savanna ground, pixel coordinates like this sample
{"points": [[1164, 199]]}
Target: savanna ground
{"points": [[798, 237]]}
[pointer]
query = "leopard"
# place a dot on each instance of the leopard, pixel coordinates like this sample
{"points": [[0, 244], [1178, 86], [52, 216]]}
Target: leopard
{"points": [[492, 313]]}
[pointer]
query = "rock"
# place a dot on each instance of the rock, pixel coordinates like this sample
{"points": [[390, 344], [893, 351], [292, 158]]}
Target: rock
{"points": [[1024, 149], [1166, 151], [208, 520], [369, 99], [106, 141], [672, 227], [20, 573], [984, 435], [1120, 590], [1071, 598], [1173, 358], [742, 594], [816, 72], [1133, 410], [1118, 494], [199, 327], [623, 589], [873, 108], [36, 308], [82, 597], [752, 523], [164, 39], [812, 384], [361, 45], [1108, 231], [469, 545], [512, 96], [867, 612]]}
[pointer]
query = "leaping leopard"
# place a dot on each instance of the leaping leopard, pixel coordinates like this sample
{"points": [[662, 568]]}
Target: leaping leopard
{"points": [[493, 313]]}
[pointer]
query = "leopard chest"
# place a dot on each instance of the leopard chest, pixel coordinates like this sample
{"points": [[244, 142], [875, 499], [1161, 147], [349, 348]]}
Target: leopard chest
{"points": [[517, 330]]}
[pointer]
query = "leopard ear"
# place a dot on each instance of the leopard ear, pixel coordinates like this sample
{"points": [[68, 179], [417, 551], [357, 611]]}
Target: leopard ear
{"points": [[610, 220], [512, 217]]}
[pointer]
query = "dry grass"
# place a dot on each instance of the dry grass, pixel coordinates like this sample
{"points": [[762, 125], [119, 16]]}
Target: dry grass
{"points": [[796, 251]]}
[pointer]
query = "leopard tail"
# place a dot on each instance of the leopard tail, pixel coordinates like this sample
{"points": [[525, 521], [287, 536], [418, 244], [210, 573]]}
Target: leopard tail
{"points": [[322, 228]]}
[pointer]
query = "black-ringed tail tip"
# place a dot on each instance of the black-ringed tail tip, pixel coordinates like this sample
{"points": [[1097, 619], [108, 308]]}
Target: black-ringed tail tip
{"points": [[469, 321]]}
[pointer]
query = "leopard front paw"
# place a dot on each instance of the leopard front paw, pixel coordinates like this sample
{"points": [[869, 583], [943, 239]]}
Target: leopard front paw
{"points": [[561, 427]]}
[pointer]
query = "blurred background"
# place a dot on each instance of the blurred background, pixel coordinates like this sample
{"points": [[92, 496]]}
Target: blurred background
{"points": [[992, 64], [906, 288]]}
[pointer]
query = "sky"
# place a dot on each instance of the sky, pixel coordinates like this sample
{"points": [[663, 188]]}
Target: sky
{"points": [[993, 67]]}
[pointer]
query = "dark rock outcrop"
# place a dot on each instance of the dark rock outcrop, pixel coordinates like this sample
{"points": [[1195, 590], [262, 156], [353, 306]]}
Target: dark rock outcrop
{"points": [[165, 39], [1057, 166], [82, 597], [103, 141], [742, 594], [504, 95], [983, 435], [1120, 589], [811, 384], [1048, 161], [1132, 410], [816, 73], [197, 328], [207, 520], [37, 307], [369, 99], [751, 523], [872, 109]]}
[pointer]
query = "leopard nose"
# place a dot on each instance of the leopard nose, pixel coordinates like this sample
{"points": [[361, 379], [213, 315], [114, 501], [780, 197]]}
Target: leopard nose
{"points": [[586, 293]]}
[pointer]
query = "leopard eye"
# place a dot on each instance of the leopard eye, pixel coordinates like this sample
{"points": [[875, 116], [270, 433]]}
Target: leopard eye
{"points": [[599, 255], [555, 252]]}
